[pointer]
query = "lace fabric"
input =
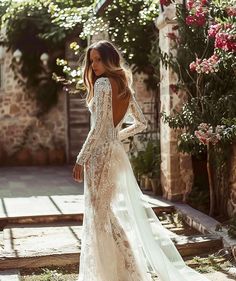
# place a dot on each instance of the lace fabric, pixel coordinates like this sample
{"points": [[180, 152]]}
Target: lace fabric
{"points": [[122, 239]]}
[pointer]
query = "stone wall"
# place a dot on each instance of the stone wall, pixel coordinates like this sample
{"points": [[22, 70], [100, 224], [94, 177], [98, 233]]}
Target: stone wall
{"points": [[23, 136]]}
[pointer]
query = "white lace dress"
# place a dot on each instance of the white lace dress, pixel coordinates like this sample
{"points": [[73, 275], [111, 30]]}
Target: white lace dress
{"points": [[122, 240]]}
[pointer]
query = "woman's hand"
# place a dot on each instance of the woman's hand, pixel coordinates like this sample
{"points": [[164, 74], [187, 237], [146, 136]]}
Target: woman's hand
{"points": [[78, 172]]}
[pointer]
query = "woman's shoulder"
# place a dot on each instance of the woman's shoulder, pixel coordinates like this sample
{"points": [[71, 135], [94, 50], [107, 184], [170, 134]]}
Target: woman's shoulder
{"points": [[105, 80], [102, 83], [101, 79]]}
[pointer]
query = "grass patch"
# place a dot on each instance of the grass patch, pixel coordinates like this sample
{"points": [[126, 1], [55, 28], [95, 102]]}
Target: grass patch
{"points": [[212, 262], [65, 273]]}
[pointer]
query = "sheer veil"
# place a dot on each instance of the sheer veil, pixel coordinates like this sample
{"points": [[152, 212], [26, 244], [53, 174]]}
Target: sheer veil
{"points": [[151, 242]]}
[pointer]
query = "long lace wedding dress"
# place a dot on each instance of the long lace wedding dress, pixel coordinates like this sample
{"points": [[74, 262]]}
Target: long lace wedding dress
{"points": [[122, 239]]}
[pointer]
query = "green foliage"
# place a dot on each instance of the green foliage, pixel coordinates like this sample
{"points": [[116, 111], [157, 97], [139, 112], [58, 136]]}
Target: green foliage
{"points": [[31, 29], [212, 96], [147, 160], [130, 25], [38, 26]]}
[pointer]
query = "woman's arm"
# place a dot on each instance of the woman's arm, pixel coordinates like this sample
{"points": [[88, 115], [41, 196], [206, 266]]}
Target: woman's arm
{"points": [[140, 122], [101, 97]]}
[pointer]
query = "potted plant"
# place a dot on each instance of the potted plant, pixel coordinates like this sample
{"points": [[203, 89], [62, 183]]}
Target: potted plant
{"points": [[155, 179], [137, 165], [146, 165], [154, 175]]}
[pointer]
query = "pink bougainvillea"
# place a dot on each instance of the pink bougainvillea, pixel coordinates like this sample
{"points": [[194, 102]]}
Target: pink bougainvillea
{"points": [[223, 33], [231, 11], [209, 65], [214, 29], [197, 12], [225, 39], [206, 134]]}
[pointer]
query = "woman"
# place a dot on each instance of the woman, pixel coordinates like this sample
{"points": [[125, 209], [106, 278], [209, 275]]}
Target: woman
{"points": [[122, 239]]}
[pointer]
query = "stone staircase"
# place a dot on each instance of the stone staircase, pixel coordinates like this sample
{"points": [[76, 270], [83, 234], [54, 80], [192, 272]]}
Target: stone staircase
{"points": [[78, 125], [41, 231]]}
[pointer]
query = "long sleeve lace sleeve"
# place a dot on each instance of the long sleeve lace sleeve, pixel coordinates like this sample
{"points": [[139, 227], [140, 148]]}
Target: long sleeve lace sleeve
{"points": [[101, 95], [140, 122]]}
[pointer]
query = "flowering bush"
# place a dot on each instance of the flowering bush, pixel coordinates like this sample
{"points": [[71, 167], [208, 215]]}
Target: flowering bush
{"points": [[206, 134], [198, 12], [225, 38], [222, 30], [205, 64]]}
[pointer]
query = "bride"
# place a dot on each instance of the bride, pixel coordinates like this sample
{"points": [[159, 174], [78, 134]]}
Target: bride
{"points": [[122, 239]]}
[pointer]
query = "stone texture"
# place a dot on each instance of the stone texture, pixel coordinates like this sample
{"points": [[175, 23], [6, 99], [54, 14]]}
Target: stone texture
{"points": [[176, 168], [19, 126]]}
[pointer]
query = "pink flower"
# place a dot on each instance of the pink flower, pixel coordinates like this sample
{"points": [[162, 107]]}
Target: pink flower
{"points": [[204, 2], [197, 12], [199, 19], [206, 134], [209, 65], [231, 11], [190, 20], [165, 2], [225, 41], [190, 4], [201, 138], [192, 66], [214, 29], [174, 88]]}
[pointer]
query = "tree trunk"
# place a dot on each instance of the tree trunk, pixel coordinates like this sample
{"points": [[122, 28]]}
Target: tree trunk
{"points": [[210, 179]]}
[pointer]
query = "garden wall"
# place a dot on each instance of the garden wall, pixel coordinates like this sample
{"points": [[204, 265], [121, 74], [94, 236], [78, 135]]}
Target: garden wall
{"points": [[24, 139]]}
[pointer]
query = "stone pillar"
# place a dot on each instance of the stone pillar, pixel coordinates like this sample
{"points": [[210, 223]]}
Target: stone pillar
{"points": [[176, 168]]}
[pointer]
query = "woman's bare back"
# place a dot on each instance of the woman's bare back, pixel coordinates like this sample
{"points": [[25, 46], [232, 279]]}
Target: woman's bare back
{"points": [[119, 104]]}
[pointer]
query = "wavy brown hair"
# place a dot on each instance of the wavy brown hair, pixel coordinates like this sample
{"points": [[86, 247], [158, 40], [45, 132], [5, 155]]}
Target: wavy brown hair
{"points": [[114, 65]]}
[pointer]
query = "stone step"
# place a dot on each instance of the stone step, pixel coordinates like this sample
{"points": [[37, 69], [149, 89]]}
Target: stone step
{"points": [[10, 275], [181, 230], [59, 244], [48, 209]]}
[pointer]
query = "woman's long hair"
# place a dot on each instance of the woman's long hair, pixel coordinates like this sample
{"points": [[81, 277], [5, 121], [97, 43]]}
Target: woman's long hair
{"points": [[114, 65]]}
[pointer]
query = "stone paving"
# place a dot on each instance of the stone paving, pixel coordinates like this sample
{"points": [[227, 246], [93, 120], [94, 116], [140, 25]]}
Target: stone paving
{"points": [[38, 181], [27, 181]]}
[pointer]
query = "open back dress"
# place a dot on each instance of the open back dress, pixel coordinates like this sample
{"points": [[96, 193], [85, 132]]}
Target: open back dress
{"points": [[122, 239]]}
